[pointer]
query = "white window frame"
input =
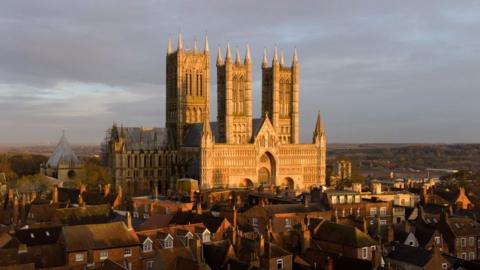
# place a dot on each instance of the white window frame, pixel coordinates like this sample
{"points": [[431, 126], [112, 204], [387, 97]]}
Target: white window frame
{"points": [[79, 257], [373, 211], [147, 245], [383, 222], [103, 254], [334, 199], [150, 264], [206, 237], [288, 223], [444, 265], [254, 222], [127, 252], [342, 199], [463, 242], [383, 211], [364, 252], [280, 263], [471, 256], [437, 240]]}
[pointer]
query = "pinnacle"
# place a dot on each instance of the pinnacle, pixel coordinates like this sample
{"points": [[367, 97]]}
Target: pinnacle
{"points": [[237, 56], [219, 56], [206, 49], [264, 60], [228, 57], [247, 54], [179, 42]]}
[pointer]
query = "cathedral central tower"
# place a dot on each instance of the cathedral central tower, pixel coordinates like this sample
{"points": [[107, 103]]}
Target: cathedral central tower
{"points": [[187, 87]]}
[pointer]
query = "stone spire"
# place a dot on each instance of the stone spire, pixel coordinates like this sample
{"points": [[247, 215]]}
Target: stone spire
{"points": [[179, 42], [264, 60], [169, 45], [282, 58], [206, 49], [228, 56], [237, 56], [207, 135], [247, 54], [275, 56], [219, 56], [295, 56], [195, 45], [319, 131]]}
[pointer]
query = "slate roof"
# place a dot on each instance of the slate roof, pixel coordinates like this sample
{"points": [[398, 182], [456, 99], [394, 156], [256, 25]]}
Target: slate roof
{"points": [[273, 209], [215, 253], [342, 234], [212, 223], [63, 152], [411, 255], [85, 215], [38, 236], [40, 255], [463, 226], [139, 138], [98, 236]]}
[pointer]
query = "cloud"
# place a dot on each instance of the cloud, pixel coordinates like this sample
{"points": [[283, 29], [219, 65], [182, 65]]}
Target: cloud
{"points": [[378, 71]]}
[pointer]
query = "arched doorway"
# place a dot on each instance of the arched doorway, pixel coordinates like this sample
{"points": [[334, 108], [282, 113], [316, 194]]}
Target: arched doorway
{"points": [[246, 183], [266, 171], [288, 183]]}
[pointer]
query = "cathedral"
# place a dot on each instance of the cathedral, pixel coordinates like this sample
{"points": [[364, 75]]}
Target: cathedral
{"points": [[236, 150]]}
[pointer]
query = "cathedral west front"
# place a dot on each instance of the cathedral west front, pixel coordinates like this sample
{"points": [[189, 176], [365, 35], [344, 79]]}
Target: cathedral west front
{"points": [[235, 151]]}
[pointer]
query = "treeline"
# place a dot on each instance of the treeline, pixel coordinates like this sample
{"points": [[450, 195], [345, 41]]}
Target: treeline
{"points": [[16, 165], [448, 156]]}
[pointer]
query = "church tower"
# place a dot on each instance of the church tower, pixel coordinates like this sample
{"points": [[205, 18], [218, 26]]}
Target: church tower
{"points": [[187, 86], [234, 98], [280, 87]]}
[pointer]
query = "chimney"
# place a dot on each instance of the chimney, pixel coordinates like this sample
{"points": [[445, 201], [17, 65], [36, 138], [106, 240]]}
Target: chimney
{"points": [[129, 221], [106, 190], [235, 212], [197, 249], [365, 225], [329, 263], [81, 203], [261, 245], [305, 200], [22, 248], [83, 188], [55, 194], [390, 233], [15, 210]]}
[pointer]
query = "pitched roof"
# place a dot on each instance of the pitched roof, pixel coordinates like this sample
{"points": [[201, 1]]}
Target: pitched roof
{"points": [[463, 226], [342, 234], [211, 222], [84, 215], [38, 236], [140, 138], [411, 255], [98, 236], [63, 153], [273, 209]]}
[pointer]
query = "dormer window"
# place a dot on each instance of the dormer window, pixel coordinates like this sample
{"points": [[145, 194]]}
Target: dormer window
{"points": [[168, 243], [147, 245], [146, 215], [288, 223], [135, 214]]}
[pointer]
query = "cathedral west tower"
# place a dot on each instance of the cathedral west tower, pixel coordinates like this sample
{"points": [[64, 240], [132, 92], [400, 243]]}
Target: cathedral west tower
{"points": [[187, 87], [280, 90]]}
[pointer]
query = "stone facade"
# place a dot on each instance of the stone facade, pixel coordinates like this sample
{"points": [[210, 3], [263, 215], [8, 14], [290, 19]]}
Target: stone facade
{"points": [[234, 151]]}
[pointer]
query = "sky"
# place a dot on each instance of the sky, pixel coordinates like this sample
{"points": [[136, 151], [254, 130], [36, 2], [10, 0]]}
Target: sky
{"points": [[378, 71]]}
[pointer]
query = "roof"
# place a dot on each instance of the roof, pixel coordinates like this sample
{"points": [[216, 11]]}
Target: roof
{"points": [[98, 236], [63, 153], [212, 223], [273, 209], [216, 253], [463, 226], [411, 255], [140, 138], [342, 234], [84, 215], [38, 236]]}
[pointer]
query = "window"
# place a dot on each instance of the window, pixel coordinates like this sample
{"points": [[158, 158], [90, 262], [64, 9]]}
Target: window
{"points": [[365, 253], [383, 222], [471, 241], [444, 265], [464, 241], [437, 240], [373, 211], [464, 255], [145, 208], [255, 222], [149, 264], [168, 243], [342, 199], [79, 257], [103, 254], [334, 199], [206, 237], [280, 264], [471, 256], [135, 214], [127, 252], [288, 223], [357, 199], [349, 199], [147, 245], [383, 211], [145, 216]]}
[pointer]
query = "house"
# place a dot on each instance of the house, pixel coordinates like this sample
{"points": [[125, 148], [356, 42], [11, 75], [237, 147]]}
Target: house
{"points": [[462, 235], [409, 258], [91, 244], [342, 239]]}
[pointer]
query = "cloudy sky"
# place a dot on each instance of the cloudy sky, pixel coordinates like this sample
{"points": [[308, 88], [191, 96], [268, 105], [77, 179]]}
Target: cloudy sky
{"points": [[379, 71]]}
